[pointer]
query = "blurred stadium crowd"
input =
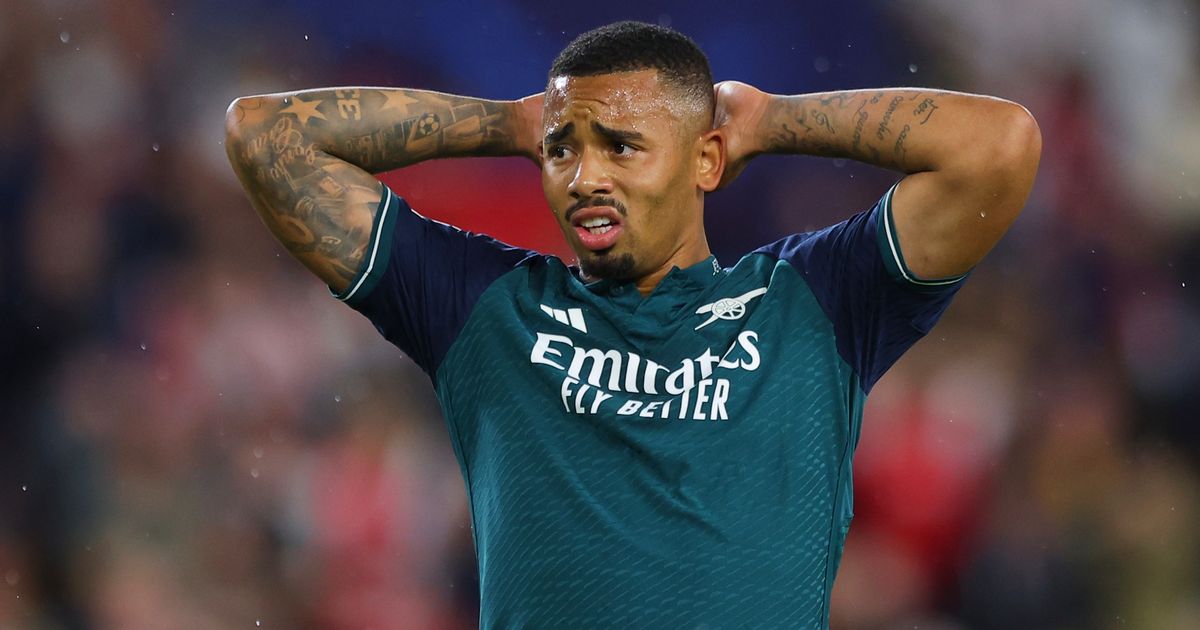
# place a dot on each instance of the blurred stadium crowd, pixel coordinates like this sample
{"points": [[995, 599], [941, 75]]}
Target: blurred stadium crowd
{"points": [[193, 435]]}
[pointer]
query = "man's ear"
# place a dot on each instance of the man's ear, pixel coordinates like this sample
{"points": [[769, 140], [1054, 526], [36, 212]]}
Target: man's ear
{"points": [[710, 160]]}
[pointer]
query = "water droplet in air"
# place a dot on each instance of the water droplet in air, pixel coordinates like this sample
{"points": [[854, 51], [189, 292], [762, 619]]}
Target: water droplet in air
{"points": [[337, 399], [24, 488], [821, 64], [1183, 284], [142, 345], [64, 37], [306, 38], [154, 147], [912, 67], [982, 214], [254, 473], [12, 577], [258, 452], [258, 623]]}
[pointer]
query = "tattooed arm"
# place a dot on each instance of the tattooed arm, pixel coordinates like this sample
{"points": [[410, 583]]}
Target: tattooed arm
{"points": [[306, 159], [970, 160]]}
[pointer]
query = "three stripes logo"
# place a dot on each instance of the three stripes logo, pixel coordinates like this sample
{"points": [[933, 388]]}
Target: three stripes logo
{"points": [[572, 317]]}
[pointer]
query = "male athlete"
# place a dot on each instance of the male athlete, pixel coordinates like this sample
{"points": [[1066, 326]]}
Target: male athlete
{"points": [[649, 439]]}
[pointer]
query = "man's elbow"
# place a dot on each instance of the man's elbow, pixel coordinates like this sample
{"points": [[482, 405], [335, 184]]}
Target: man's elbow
{"points": [[235, 116], [1004, 160], [1019, 147]]}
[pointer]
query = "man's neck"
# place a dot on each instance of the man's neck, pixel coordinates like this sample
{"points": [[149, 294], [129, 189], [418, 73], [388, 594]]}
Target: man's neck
{"points": [[684, 258]]}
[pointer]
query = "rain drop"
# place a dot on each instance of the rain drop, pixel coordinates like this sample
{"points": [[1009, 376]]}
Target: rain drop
{"points": [[912, 67], [12, 577], [821, 64], [258, 452], [254, 473], [337, 399], [154, 147], [258, 623], [64, 37], [1183, 284], [982, 215], [24, 488], [142, 345], [306, 38]]}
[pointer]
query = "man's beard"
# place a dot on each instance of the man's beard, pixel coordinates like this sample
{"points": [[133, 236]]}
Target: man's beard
{"points": [[608, 266]]}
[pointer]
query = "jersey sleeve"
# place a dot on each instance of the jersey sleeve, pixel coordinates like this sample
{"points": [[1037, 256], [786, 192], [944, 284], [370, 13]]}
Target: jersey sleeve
{"points": [[420, 279], [879, 308]]}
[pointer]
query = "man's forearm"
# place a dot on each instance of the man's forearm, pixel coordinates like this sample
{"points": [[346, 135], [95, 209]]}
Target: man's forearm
{"points": [[380, 129], [909, 130]]}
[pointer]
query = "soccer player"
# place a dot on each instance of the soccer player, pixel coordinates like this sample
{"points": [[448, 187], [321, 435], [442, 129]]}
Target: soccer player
{"points": [[649, 439]]}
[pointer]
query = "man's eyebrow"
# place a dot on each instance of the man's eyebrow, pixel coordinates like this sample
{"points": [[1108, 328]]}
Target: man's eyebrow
{"points": [[558, 134], [616, 135]]}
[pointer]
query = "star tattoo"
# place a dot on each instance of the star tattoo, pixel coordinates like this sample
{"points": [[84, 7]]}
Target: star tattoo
{"points": [[397, 100], [303, 110]]}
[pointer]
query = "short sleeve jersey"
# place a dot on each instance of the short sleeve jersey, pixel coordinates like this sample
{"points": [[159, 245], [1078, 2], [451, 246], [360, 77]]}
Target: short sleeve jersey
{"points": [[679, 460]]}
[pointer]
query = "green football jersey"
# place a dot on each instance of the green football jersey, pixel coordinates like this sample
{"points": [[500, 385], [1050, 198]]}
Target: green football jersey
{"points": [[679, 460]]}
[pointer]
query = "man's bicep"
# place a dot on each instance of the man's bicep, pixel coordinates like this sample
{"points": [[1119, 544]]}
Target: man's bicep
{"points": [[947, 220], [944, 228]]}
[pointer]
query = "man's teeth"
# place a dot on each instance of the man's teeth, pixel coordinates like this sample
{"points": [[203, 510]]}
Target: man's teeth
{"points": [[597, 225]]}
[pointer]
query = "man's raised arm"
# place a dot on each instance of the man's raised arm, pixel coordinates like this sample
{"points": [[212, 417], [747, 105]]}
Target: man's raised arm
{"points": [[970, 159], [306, 159]]}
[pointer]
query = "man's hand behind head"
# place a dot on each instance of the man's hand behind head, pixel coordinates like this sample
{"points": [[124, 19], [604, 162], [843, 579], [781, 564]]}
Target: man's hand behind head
{"points": [[739, 113], [529, 127]]}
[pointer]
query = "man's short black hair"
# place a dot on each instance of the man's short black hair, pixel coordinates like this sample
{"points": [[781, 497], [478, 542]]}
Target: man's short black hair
{"points": [[629, 46]]}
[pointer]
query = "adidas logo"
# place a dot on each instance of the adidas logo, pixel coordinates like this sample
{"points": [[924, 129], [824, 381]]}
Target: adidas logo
{"points": [[572, 317]]}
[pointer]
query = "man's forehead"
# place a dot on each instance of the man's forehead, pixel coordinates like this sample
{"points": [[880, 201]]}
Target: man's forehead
{"points": [[619, 96]]}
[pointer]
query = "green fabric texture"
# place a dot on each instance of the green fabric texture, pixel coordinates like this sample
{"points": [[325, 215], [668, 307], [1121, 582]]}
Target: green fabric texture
{"points": [[675, 461]]}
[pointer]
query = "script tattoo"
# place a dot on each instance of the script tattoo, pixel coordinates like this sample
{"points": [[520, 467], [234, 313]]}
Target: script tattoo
{"points": [[858, 129], [924, 106], [822, 119], [883, 129], [899, 149], [877, 127]]}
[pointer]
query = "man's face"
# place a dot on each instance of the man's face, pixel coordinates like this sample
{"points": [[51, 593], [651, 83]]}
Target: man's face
{"points": [[624, 170]]}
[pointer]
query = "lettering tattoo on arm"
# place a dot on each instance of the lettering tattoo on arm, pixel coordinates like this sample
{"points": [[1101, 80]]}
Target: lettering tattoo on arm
{"points": [[925, 108], [843, 124], [899, 149]]}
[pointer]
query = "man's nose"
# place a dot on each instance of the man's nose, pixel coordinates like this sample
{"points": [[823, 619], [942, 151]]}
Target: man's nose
{"points": [[591, 177]]}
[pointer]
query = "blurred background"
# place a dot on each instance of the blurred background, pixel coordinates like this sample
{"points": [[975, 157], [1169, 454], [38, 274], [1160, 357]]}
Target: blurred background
{"points": [[194, 435]]}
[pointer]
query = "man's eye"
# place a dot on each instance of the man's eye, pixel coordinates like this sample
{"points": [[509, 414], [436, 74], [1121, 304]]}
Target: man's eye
{"points": [[558, 152], [620, 148]]}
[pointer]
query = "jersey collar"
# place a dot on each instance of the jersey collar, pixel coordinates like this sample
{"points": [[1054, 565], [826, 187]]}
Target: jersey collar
{"points": [[693, 276]]}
